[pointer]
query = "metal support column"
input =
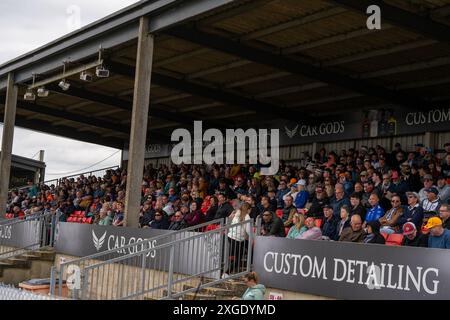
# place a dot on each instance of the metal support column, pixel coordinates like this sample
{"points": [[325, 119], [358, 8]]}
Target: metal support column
{"points": [[7, 141], [139, 119]]}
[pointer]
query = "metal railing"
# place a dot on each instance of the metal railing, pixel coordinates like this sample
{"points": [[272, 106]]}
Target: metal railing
{"points": [[168, 270], [59, 272], [33, 232], [97, 173], [8, 292]]}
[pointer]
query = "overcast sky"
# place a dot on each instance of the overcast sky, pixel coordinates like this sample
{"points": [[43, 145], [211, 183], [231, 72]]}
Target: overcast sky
{"points": [[28, 24]]}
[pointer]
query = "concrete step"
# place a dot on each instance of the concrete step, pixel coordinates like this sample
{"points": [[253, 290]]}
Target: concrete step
{"points": [[237, 288], [199, 296], [218, 292]]}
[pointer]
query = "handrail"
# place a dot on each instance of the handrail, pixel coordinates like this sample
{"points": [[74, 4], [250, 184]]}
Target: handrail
{"points": [[135, 244]]}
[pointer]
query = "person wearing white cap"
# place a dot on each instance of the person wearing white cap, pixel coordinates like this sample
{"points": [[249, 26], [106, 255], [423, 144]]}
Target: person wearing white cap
{"points": [[302, 196]]}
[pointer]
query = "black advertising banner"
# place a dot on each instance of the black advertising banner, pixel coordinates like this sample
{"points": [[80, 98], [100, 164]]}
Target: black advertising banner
{"points": [[83, 240], [352, 270], [20, 235]]}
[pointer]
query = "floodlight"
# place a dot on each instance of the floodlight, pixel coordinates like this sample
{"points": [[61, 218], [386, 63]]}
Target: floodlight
{"points": [[64, 85], [86, 76], [42, 92], [102, 72], [29, 95]]}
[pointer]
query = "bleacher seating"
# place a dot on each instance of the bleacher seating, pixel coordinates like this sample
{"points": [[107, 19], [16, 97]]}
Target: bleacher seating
{"points": [[394, 239]]}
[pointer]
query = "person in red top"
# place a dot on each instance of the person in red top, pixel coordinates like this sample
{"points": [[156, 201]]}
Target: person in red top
{"points": [[18, 213]]}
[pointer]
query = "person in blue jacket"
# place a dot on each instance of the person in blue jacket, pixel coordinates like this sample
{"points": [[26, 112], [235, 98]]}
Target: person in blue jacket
{"points": [[254, 291], [302, 196], [376, 211]]}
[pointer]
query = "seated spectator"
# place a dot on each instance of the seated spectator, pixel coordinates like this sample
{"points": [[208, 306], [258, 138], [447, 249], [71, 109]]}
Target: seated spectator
{"points": [[413, 212], [302, 196], [329, 226], [212, 210], [160, 222], [356, 206], [375, 212], [439, 237], [427, 184], [224, 208], [373, 233], [318, 202], [194, 217], [282, 191], [178, 222], [389, 220], [118, 215], [271, 225], [146, 215], [398, 187], [313, 232], [344, 222], [298, 226], [354, 233], [432, 202], [444, 214], [444, 189], [288, 212], [412, 237], [339, 200], [105, 218]]}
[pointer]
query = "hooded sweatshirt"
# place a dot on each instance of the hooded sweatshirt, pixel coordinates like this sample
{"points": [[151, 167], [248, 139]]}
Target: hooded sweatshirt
{"points": [[255, 293]]}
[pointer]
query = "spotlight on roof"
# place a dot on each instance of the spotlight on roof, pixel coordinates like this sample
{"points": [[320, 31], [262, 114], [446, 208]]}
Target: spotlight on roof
{"points": [[86, 76], [102, 72], [64, 85], [29, 95], [42, 92]]}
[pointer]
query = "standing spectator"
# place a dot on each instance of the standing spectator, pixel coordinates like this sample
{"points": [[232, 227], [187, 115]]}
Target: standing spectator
{"points": [[329, 227], [414, 212], [271, 225], [444, 189], [302, 196], [427, 184], [356, 206], [389, 221], [282, 191], [354, 233], [439, 237], [224, 208], [313, 232], [375, 212], [444, 214], [373, 233], [254, 291], [288, 212], [412, 238], [432, 202], [344, 222], [212, 210], [339, 200], [298, 227]]}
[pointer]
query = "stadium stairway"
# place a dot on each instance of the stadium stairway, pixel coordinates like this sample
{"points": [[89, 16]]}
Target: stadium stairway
{"points": [[226, 290], [29, 265]]}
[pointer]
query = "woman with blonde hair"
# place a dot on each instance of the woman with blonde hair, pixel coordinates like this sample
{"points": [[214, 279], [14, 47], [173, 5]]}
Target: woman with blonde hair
{"points": [[298, 228]]}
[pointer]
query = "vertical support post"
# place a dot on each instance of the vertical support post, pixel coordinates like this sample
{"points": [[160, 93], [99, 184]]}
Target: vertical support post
{"points": [[139, 120], [7, 141], [170, 273]]}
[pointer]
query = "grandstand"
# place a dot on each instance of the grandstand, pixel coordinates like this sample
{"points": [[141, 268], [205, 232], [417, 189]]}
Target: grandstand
{"points": [[363, 115]]}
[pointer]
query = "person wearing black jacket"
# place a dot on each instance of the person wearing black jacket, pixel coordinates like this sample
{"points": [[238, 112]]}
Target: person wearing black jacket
{"points": [[178, 223], [413, 238], [357, 207], [373, 233], [211, 212], [160, 222], [319, 201], [271, 225], [329, 227], [224, 208]]}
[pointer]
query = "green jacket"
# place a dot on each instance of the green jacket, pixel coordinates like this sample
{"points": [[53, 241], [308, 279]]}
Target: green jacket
{"points": [[254, 293]]}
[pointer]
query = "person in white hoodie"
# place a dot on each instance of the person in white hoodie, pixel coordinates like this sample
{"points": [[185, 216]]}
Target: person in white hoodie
{"points": [[238, 236]]}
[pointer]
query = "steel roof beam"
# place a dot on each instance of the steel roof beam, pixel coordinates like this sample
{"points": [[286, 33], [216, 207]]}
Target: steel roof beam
{"points": [[296, 67]]}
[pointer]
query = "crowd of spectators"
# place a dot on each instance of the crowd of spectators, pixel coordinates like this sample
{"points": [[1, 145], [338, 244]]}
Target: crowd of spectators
{"points": [[353, 195]]}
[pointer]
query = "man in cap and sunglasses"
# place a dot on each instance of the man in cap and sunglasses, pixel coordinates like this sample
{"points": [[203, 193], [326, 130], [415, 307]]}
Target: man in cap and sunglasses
{"points": [[412, 237]]}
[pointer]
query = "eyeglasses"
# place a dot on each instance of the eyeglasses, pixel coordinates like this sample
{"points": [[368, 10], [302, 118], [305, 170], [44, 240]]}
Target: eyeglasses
{"points": [[395, 201]]}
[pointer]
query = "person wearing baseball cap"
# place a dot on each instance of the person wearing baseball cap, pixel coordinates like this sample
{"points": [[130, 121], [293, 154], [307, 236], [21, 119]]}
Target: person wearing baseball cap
{"points": [[427, 184], [413, 238], [439, 237], [302, 196], [414, 212], [432, 202]]}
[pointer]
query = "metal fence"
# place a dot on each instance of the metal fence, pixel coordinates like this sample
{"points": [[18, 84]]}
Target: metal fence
{"points": [[60, 272], [165, 271], [8, 292], [18, 236]]}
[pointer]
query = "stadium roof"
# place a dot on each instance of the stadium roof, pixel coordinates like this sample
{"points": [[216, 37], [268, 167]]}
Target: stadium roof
{"points": [[235, 63]]}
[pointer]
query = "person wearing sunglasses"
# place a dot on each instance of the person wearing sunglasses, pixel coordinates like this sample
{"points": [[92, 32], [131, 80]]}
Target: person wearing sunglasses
{"points": [[389, 220]]}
